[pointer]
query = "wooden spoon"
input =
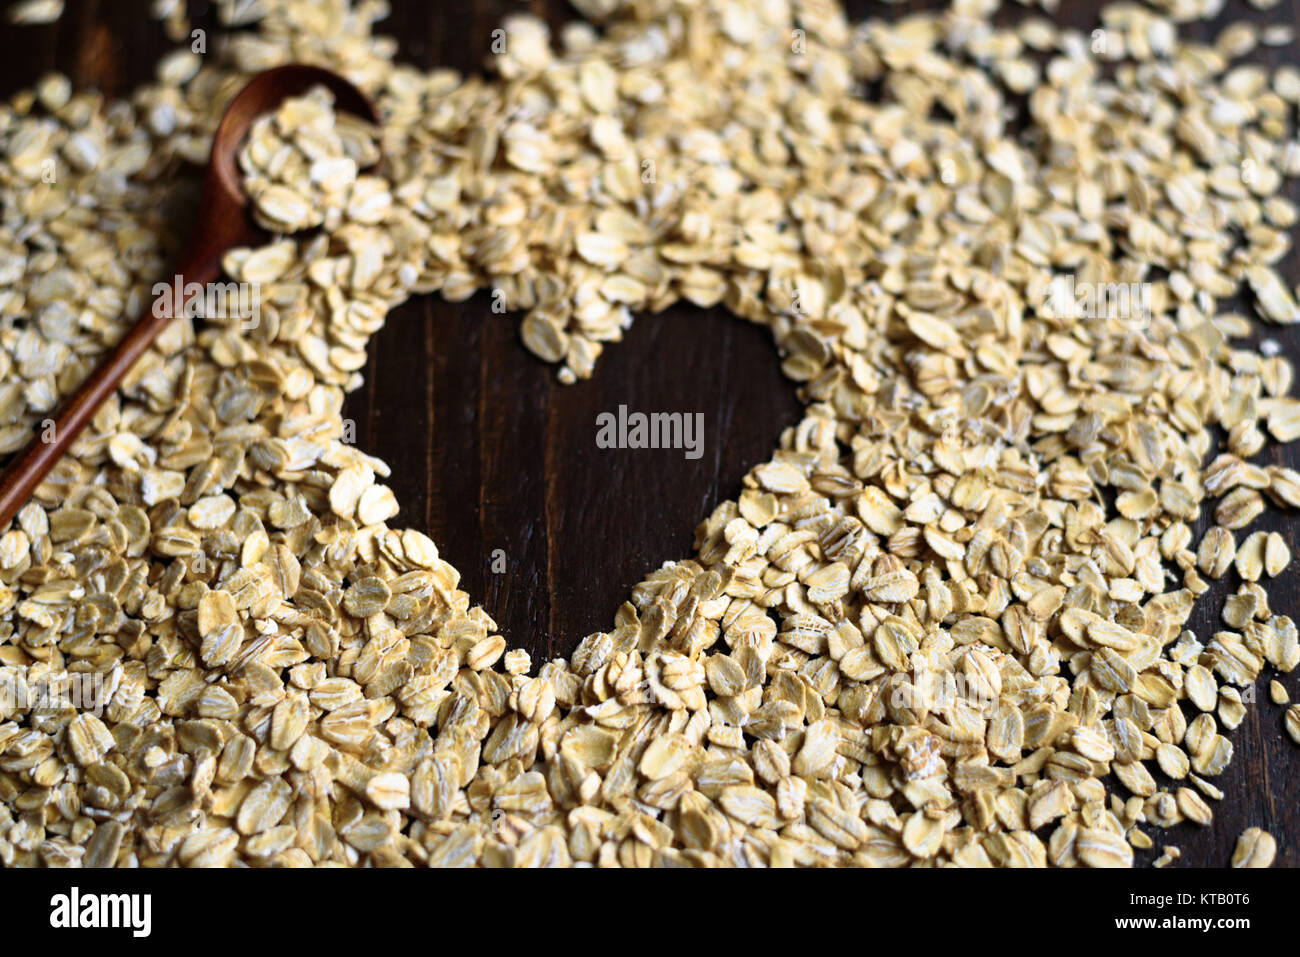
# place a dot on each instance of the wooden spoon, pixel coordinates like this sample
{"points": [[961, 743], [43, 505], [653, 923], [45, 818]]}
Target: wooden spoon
{"points": [[224, 222]]}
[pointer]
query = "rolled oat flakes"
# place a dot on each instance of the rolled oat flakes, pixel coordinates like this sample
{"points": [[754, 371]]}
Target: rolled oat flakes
{"points": [[922, 634]]}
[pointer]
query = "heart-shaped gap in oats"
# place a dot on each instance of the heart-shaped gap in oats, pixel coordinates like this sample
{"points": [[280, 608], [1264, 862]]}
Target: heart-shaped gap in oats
{"points": [[498, 463]]}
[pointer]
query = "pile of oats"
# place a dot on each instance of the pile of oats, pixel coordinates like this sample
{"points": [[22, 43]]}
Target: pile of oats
{"points": [[301, 170], [952, 602]]}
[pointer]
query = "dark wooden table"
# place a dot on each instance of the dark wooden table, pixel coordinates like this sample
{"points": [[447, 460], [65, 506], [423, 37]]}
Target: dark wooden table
{"points": [[498, 462]]}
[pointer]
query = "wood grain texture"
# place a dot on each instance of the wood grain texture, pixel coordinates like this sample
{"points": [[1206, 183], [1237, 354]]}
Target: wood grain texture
{"points": [[489, 452]]}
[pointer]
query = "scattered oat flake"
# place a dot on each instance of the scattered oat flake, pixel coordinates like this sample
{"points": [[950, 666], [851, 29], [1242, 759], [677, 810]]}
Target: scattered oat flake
{"points": [[1255, 848], [35, 12]]}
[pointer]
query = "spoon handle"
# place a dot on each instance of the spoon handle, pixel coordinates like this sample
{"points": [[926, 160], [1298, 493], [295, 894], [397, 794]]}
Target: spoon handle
{"points": [[34, 463]]}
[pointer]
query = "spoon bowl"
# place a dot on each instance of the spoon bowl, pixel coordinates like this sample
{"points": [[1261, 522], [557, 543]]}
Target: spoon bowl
{"points": [[223, 196]]}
